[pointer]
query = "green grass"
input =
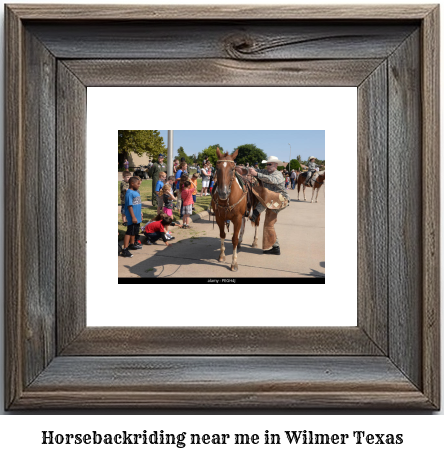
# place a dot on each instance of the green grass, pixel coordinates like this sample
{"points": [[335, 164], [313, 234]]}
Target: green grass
{"points": [[148, 213]]}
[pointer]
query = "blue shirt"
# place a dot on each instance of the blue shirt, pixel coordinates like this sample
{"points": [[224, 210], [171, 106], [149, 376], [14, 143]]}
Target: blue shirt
{"points": [[177, 176], [159, 185], [132, 198]]}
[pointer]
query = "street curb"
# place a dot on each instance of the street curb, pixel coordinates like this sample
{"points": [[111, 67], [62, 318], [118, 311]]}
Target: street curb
{"points": [[201, 215]]}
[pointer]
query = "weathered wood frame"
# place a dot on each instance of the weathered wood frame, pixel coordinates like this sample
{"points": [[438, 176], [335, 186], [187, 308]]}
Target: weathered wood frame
{"points": [[390, 360]]}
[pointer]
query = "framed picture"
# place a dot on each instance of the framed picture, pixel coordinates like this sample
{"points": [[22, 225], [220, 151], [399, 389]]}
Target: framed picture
{"points": [[389, 360]]}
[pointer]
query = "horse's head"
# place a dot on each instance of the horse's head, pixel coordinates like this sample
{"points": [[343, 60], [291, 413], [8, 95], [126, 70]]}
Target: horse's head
{"points": [[225, 173]]}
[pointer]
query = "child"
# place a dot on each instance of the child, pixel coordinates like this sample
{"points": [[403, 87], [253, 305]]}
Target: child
{"points": [[170, 181], [287, 181], [133, 212], [159, 185], [187, 203], [168, 198], [124, 186], [137, 237], [156, 230], [211, 185], [183, 178], [194, 187]]}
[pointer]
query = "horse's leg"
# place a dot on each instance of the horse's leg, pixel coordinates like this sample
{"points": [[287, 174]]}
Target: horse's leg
{"points": [[222, 239], [303, 188], [237, 222], [312, 194], [317, 194], [241, 235], [256, 226], [299, 188]]}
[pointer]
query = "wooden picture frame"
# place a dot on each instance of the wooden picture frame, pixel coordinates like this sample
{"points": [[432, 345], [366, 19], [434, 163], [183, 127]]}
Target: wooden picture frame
{"points": [[390, 360]]}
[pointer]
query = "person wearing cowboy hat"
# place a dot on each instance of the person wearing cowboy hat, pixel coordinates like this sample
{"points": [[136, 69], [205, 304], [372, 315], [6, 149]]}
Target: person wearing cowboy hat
{"points": [[272, 197], [311, 169], [154, 172]]}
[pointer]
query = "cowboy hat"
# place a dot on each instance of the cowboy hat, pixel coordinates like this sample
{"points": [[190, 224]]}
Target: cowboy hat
{"points": [[273, 159], [309, 158]]}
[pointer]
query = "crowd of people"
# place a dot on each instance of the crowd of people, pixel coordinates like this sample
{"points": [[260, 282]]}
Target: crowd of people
{"points": [[176, 191]]}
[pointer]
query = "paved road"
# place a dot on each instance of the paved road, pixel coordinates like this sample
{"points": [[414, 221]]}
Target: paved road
{"points": [[300, 229]]}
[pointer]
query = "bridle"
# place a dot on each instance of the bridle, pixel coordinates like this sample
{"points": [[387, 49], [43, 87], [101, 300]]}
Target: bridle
{"points": [[226, 207], [231, 180]]}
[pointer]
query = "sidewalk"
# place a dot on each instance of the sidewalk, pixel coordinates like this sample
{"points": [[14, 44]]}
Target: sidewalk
{"points": [[194, 252]]}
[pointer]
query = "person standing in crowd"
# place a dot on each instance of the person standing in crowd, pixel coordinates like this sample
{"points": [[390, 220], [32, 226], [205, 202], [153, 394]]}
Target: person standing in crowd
{"points": [[175, 166], [287, 181], [187, 203], [133, 212], [126, 164], [124, 186], [293, 179], [159, 185], [166, 193], [194, 187], [206, 174], [182, 169], [256, 166], [154, 172]]}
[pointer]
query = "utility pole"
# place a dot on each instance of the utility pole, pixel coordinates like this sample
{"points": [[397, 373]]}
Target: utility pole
{"points": [[170, 153], [289, 166]]}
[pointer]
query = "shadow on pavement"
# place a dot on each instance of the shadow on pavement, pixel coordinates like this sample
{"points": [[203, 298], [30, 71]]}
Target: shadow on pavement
{"points": [[170, 260]]}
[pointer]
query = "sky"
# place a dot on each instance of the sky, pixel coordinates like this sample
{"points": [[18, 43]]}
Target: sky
{"points": [[272, 142]]}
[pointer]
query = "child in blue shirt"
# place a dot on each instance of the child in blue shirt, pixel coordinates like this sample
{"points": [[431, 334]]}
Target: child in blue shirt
{"points": [[133, 212]]}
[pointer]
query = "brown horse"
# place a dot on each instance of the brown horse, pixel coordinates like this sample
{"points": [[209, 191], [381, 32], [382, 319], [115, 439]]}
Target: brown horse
{"points": [[229, 202], [317, 185]]}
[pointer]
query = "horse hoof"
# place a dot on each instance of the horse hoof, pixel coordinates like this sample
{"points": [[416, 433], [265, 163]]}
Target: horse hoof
{"points": [[238, 247], [234, 267], [254, 244], [221, 258]]}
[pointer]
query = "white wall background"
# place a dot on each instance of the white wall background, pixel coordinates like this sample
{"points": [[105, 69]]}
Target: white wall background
{"points": [[423, 433]]}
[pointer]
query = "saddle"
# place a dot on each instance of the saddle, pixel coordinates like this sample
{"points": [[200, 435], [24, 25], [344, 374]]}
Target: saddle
{"points": [[312, 181], [258, 193]]}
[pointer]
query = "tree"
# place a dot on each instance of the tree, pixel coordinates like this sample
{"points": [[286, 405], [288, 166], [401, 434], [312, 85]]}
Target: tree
{"points": [[141, 142], [294, 164], [211, 153], [299, 159], [181, 154], [250, 153]]}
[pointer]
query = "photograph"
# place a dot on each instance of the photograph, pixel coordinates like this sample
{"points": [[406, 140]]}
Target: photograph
{"points": [[251, 206]]}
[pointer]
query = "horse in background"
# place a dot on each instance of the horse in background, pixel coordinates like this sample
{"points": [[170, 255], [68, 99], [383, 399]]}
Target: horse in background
{"points": [[317, 185], [230, 202]]}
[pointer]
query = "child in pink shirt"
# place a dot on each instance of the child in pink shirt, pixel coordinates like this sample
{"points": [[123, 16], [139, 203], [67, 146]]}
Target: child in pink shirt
{"points": [[187, 203]]}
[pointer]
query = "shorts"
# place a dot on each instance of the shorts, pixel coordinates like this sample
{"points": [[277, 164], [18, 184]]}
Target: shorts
{"points": [[159, 201], [205, 183], [187, 210], [194, 198], [133, 229], [167, 211]]}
